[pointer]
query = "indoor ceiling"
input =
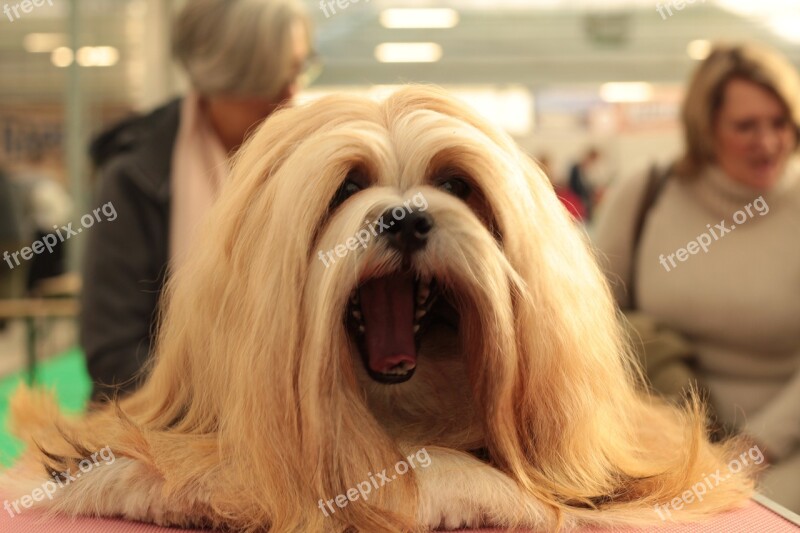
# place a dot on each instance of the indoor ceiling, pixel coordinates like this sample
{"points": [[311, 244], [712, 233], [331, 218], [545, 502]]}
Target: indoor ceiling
{"points": [[536, 43]]}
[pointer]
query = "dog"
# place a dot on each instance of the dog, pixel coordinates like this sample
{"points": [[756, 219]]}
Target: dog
{"points": [[379, 283]]}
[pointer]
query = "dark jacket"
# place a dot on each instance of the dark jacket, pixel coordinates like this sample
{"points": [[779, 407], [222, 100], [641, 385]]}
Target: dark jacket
{"points": [[581, 187], [125, 266]]}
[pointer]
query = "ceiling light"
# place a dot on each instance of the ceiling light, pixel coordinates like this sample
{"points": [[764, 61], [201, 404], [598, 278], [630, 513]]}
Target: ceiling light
{"points": [[88, 56], [698, 49], [419, 18], [97, 56], [61, 57], [408, 52], [628, 91]]}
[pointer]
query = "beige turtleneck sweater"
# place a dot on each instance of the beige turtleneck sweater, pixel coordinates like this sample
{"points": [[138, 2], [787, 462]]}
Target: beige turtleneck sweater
{"points": [[738, 303]]}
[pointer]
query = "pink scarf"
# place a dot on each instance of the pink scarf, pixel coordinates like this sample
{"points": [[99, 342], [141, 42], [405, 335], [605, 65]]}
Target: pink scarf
{"points": [[199, 166]]}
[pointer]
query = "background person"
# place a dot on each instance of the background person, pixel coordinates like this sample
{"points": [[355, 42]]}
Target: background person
{"points": [[737, 305], [162, 171], [580, 182], [569, 199]]}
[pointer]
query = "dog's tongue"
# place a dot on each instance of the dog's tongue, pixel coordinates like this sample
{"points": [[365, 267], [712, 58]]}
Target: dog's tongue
{"points": [[388, 307]]}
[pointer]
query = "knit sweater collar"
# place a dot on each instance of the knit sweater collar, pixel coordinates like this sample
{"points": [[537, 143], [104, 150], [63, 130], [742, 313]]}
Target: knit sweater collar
{"points": [[724, 196]]}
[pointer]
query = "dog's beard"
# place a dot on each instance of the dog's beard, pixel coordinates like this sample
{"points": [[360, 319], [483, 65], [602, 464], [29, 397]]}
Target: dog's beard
{"points": [[431, 400]]}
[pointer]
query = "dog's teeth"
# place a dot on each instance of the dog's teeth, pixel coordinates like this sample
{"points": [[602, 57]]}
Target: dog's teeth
{"points": [[362, 329], [416, 328], [356, 314], [400, 370], [420, 313], [422, 294], [423, 290]]}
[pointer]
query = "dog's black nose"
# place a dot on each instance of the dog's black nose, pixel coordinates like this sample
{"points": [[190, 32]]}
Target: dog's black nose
{"points": [[410, 233]]}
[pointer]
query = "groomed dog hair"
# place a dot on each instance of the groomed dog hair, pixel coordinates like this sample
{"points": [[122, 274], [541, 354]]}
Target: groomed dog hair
{"points": [[259, 402]]}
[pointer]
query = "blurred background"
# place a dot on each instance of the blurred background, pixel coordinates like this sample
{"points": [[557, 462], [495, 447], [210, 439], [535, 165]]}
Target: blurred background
{"points": [[563, 77]]}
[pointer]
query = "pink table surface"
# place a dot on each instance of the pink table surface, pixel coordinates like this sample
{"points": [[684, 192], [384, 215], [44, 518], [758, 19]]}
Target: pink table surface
{"points": [[754, 518]]}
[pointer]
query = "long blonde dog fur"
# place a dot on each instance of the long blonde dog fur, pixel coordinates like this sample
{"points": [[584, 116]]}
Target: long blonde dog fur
{"points": [[258, 404]]}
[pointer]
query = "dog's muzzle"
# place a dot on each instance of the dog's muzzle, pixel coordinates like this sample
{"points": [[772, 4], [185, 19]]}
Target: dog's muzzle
{"points": [[409, 234], [386, 313]]}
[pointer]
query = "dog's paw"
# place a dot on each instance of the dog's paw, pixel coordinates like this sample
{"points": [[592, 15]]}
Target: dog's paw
{"points": [[445, 512], [457, 491]]}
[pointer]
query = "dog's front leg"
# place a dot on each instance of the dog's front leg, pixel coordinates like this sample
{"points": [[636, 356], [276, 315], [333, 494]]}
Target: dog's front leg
{"points": [[457, 490], [125, 488]]}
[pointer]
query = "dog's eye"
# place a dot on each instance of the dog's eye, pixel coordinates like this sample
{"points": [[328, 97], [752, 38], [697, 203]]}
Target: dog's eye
{"points": [[346, 190], [458, 187]]}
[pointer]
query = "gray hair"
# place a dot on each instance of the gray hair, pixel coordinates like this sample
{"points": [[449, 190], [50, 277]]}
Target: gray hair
{"points": [[237, 47]]}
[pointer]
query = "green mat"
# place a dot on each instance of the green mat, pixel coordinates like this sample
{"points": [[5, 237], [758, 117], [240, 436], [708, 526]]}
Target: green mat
{"points": [[65, 374]]}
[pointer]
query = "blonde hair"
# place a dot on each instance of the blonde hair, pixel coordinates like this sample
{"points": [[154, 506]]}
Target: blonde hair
{"points": [[237, 47], [750, 62], [256, 406]]}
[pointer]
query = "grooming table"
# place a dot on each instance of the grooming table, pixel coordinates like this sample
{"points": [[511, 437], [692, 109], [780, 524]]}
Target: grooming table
{"points": [[759, 516]]}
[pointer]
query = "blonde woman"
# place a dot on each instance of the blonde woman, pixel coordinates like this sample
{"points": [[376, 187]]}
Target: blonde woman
{"points": [[718, 259], [162, 172]]}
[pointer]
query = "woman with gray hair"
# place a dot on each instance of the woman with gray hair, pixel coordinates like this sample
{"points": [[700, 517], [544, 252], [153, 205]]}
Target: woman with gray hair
{"points": [[709, 255], [244, 59]]}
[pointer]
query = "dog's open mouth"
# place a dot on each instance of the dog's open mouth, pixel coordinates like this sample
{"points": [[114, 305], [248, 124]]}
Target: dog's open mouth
{"points": [[386, 318]]}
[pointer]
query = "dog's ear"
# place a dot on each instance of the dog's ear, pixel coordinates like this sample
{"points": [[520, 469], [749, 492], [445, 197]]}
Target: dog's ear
{"points": [[266, 151], [549, 402]]}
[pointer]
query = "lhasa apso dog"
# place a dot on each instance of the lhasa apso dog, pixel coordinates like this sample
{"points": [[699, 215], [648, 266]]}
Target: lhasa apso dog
{"points": [[383, 283]]}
